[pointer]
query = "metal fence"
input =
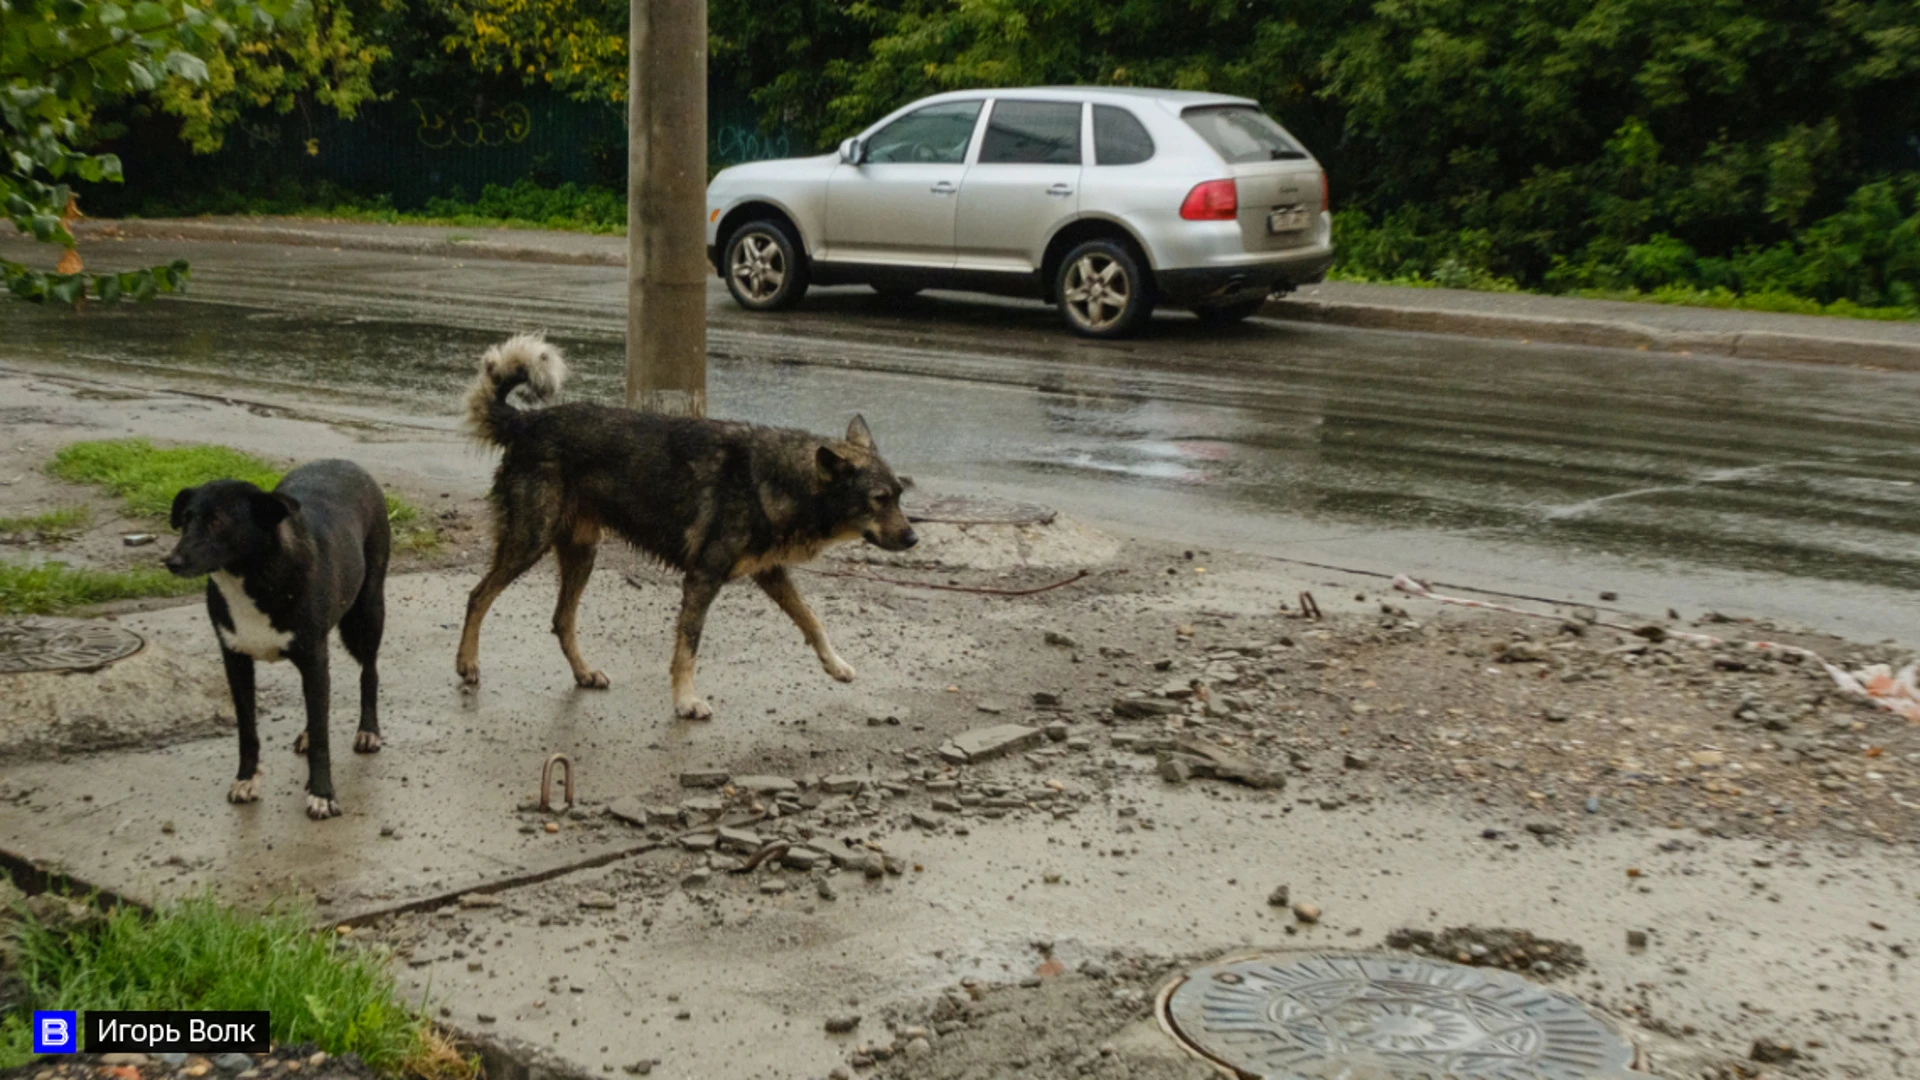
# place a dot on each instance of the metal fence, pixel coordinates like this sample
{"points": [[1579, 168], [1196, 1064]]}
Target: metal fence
{"points": [[418, 145]]}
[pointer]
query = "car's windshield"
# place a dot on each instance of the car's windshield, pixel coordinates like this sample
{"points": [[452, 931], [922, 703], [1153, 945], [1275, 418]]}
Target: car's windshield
{"points": [[1242, 133]]}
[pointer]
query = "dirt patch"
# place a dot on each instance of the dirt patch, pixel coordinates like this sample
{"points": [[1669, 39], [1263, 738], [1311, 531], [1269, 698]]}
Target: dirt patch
{"points": [[1097, 1023], [1494, 946], [1565, 725]]}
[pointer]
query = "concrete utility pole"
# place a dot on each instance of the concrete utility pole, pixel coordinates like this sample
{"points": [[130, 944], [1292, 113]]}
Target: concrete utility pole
{"points": [[666, 208]]}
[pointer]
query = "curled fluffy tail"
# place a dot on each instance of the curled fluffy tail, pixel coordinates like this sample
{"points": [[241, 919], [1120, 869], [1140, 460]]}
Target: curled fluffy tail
{"points": [[522, 360]]}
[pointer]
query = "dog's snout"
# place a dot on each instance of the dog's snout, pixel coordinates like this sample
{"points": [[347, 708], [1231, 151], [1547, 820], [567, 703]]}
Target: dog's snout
{"points": [[908, 538], [179, 563]]}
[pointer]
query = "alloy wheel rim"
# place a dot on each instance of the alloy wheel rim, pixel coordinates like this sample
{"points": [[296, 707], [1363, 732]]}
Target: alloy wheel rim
{"points": [[759, 266], [1097, 291]]}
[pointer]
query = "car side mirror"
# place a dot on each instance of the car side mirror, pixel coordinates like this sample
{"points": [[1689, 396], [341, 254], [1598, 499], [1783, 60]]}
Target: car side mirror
{"points": [[853, 151]]}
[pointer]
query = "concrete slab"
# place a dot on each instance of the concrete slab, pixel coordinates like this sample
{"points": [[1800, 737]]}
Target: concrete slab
{"points": [[985, 744], [729, 980], [436, 811]]}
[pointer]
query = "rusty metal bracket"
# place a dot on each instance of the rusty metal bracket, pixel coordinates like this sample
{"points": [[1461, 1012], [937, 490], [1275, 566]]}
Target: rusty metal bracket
{"points": [[546, 781], [1309, 609]]}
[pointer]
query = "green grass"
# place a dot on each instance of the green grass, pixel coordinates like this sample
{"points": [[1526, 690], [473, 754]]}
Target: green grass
{"points": [[51, 587], [200, 954], [58, 520], [148, 477], [1681, 295], [1786, 303]]}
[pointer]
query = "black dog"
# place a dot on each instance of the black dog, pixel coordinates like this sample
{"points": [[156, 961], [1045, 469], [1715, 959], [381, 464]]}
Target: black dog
{"points": [[288, 566]]}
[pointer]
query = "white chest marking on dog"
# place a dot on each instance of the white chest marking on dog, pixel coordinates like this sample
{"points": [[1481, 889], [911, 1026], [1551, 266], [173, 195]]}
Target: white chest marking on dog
{"points": [[252, 633]]}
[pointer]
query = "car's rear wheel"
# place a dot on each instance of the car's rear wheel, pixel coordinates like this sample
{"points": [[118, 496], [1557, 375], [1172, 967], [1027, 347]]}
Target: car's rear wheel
{"points": [[1103, 291], [765, 270], [1227, 314]]}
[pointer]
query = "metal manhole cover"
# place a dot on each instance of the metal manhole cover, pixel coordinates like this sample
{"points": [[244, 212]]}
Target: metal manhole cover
{"points": [[977, 510], [1388, 1015], [37, 644]]}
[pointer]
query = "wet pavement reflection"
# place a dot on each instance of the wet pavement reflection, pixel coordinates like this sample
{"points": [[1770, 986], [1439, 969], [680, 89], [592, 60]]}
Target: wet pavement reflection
{"points": [[1266, 437]]}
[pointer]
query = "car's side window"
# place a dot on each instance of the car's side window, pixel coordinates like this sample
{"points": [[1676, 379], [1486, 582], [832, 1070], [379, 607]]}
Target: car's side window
{"points": [[1032, 133], [935, 135], [1118, 137]]}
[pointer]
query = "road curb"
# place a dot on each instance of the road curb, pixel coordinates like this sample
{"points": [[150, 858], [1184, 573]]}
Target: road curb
{"points": [[1601, 333], [1608, 333]]}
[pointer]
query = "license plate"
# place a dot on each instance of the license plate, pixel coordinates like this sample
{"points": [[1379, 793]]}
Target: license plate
{"points": [[1291, 219]]}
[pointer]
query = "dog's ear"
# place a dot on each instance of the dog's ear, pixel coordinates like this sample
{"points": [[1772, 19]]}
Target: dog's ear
{"points": [[906, 482], [830, 462], [178, 517], [857, 433], [270, 508]]}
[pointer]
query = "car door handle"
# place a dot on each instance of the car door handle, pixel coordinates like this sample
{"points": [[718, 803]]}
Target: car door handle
{"points": [[944, 187], [1060, 189]]}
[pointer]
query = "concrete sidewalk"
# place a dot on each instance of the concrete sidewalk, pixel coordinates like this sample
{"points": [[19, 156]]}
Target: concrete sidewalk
{"points": [[1507, 316]]}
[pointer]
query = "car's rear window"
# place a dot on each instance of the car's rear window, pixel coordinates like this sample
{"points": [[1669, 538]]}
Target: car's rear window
{"points": [[1242, 133], [1119, 138]]}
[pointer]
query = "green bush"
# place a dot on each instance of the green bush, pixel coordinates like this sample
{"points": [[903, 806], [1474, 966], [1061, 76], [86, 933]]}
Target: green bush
{"points": [[568, 206]]}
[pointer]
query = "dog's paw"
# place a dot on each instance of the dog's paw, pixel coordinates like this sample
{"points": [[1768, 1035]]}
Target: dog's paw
{"points": [[692, 709], [320, 809], [469, 671], [300, 744], [366, 742], [593, 680], [248, 790], [838, 668]]}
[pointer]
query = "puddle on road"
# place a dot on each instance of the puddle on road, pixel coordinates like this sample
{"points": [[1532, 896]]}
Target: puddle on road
{"points": [[1684, 465]]}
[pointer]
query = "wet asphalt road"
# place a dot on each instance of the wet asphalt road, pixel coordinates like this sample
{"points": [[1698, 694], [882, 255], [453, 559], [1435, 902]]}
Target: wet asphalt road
{"points": [[1741, 486]]}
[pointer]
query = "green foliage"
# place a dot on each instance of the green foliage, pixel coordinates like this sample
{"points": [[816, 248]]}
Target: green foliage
{"points": [[1568, 144], [201, 954], [59, 520], [49, 587], [200, 61], [1632, 147], [148, 478]]}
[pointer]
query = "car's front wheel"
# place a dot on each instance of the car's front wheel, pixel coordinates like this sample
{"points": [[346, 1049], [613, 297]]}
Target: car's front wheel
{"points": [[1103, 291], [765, 270], [1226, 314]]}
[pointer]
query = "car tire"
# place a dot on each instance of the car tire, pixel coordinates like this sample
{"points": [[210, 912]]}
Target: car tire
{"points": [[765, 268], [1228, 314], [1102, 290]]}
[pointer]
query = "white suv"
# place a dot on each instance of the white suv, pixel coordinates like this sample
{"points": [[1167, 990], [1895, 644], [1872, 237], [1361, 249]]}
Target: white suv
{"points": [[1103, 201]]}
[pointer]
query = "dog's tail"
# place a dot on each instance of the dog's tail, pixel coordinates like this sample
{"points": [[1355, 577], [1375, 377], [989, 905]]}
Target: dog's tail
{"points": [[522, 360]]}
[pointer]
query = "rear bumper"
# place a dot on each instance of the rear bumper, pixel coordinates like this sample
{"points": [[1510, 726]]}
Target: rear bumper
{"points": [[1243, 281]]}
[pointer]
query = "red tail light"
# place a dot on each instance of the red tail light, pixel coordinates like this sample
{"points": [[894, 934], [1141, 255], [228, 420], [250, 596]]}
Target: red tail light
{"points": [[1326, 195], [1215, 200]]}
